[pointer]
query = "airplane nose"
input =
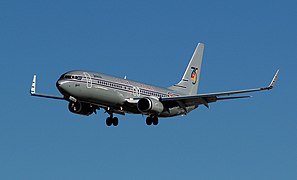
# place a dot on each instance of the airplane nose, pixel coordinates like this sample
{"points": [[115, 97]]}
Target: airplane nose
{"points": [[59, 84], [62, 86]]}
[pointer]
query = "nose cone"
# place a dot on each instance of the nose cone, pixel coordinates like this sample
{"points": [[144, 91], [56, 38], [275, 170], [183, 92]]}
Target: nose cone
{"points": [[60, 84]]}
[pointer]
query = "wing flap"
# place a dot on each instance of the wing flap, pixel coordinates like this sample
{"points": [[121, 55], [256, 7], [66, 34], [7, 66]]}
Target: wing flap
{"points": [[233, 97]]}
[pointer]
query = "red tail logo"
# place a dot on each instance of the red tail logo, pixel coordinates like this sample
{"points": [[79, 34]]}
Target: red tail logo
{"points": [[194, 75]]}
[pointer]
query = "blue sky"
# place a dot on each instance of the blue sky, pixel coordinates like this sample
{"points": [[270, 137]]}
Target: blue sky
{"points": [[246, 42]]}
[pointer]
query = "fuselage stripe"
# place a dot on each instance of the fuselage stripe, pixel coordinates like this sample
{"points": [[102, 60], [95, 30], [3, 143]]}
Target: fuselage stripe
{"points": [[125, 88]]}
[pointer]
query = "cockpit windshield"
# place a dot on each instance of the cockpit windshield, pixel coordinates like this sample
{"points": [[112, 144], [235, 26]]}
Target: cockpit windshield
{"points": [[78, 77], [69, 76]]}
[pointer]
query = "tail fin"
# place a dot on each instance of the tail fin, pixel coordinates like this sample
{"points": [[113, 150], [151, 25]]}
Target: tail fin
{"points": [[190, 80]]}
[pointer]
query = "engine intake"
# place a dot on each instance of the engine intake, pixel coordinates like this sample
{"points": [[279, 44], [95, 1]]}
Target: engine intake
{"points": [[80, 108], [150, 106]]}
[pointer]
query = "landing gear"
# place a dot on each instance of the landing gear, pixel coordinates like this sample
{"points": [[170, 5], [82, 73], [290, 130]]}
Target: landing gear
{"points": [[149, 121], [115, 121], [109, 121], [152, 120], [155, 120], [112, 120]]}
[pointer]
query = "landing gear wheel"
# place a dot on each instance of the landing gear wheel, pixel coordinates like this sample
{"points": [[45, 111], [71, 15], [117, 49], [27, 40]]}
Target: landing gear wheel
{"points": [[155, 120], [149, 121], [109, 121], [115, 121]]}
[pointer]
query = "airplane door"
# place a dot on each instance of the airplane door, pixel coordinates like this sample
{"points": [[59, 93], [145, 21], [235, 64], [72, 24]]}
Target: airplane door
{"points": [[88, 79], [136, 91]]}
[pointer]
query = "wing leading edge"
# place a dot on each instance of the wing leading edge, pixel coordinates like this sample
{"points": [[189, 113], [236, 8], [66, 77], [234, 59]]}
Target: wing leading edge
{"points": [[213, 97]]}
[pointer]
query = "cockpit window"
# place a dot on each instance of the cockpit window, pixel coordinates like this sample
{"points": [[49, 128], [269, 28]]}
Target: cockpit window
{"points": [[73, 77], [78, 77], [67, 76]]}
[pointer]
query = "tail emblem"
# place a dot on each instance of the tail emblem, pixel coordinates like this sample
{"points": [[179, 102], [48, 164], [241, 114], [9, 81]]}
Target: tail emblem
{"points": [[194, 75]]}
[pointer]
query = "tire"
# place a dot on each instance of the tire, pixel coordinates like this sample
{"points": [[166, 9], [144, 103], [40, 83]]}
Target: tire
{"points": [[108, 121], [149, 121], [115, 121], [155, 120]]}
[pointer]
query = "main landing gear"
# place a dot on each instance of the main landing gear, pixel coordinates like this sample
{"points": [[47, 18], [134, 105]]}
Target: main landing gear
{"points": [[152, 120], [112, 120]]}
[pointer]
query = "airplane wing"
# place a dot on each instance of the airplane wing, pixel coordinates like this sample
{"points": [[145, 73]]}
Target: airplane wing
{"points": [[33, 92], [204, 99]]}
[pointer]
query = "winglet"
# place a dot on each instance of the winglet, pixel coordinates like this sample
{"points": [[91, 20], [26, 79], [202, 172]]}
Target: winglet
{"points": [[33, 87], [272, 84]]}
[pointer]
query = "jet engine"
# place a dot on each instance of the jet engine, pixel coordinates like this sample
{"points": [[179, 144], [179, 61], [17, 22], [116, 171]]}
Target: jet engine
{"points": [[80, 108], [150, 106]]}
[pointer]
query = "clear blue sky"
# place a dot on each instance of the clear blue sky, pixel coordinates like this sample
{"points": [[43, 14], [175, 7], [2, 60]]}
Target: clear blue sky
{"points": [[246, 41]]}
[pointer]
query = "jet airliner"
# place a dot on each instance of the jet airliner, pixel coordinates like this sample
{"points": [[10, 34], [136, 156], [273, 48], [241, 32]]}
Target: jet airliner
{"points": [[88, 91]]}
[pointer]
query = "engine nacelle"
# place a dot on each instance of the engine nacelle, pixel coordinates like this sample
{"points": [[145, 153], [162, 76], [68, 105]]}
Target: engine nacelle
{"points": [[80, 108], [150, 106]]}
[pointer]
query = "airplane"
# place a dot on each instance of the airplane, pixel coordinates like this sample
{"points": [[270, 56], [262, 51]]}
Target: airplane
{"points": [[88, 91]]}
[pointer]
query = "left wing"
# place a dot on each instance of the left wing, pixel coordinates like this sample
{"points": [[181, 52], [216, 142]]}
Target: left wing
{"points": [[33, 91], [213, 97]]}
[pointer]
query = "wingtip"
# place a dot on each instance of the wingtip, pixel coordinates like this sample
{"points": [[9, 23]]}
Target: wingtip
{"points": [[273, 82], [33, 86]]}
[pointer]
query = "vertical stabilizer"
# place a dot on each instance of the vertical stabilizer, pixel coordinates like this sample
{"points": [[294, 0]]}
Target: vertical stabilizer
{"points": [[190, 80]]}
